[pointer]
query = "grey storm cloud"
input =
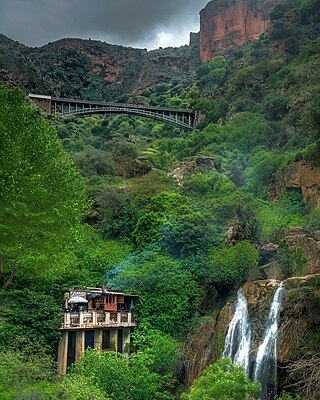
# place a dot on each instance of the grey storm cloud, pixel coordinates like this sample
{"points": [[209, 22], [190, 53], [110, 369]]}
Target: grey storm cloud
{"points": [[128, 22]]}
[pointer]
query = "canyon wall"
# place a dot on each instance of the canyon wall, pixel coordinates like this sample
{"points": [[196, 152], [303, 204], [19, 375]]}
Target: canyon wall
{"points": [[231, 23], [298, 328], [299, 175], [90, 69]]}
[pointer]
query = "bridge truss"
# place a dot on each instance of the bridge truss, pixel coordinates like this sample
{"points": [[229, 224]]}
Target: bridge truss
{"points": [[61, 106]]}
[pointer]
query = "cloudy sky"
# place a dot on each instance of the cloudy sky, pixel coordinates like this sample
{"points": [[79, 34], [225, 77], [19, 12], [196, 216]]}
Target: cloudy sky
{"points": [[136, 23]]}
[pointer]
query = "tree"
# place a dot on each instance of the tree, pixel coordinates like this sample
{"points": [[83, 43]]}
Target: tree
{"points": [[229, 265], [168, 293], [42, 199], [222, 381], [121, 377], [40, 324], [164, 351]]}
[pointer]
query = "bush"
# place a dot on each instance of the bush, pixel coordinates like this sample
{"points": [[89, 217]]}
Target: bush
{"points": [[229, 265], [222, 381], [120, 377], [92, 161]]}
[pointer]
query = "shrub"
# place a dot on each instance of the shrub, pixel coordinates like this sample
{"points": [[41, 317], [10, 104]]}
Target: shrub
{"points": [[222, 381]]}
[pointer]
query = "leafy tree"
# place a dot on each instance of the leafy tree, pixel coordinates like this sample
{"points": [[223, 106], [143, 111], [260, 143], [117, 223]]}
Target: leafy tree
{"points": [[174, 227], [22, 368], [41, 193], [75, 387], [222, 381], [92, 161], [164, 350], [229, 265], [30, 315], [248, 130], [94, 257], [260, 170], [169, 294], [121, 377]]}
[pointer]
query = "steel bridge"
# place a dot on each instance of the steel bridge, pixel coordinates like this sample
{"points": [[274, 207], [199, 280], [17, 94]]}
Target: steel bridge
{"points": [[61, 106]]}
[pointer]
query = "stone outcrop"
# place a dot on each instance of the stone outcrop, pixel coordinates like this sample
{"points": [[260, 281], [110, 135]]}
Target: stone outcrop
{"points": [[299, 323], [193, 165], [194, 39], [227, 24], [300, 175], [308, 261], [141, 166]]}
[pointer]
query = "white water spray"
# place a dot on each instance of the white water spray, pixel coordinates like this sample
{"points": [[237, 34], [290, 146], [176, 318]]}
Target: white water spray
{"points": [[265, 370], [238, 339]]}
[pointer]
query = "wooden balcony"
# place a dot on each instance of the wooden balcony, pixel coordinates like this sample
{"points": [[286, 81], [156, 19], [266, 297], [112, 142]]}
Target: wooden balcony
{"points": [[94, 319]]}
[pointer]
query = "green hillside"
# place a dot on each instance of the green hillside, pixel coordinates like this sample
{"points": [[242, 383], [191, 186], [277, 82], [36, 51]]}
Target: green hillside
{"points": [[177, 217]]}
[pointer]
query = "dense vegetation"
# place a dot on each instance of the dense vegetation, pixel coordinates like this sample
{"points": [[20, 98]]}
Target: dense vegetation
{"points": [[131, 221]]}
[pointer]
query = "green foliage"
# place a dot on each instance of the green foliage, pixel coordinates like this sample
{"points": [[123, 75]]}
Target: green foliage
{"points": [[21, 369], [229, 265], [170, 223], [248, 130], [211, 185], [211, 75], [169, 294], [260, 170], [222, 381], [285, 212], [119, 376], [41, 193], [75, 387], [164, 351], [92, 161], [34, 316], [94, 257]]}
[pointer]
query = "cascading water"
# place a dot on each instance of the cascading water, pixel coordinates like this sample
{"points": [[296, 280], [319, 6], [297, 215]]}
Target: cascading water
{"points": [[238, 339], [265, 370]]}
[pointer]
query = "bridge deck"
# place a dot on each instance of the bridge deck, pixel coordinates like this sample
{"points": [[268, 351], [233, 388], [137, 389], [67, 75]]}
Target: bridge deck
{"points": [[64, 106]]}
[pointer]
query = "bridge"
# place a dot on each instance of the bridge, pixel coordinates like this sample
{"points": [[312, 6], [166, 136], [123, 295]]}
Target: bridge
{"points": [[61, 106]]}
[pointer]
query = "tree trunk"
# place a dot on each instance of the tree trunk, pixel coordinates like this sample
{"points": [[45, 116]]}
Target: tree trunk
{"points": [[10, 279], [1, 268]]}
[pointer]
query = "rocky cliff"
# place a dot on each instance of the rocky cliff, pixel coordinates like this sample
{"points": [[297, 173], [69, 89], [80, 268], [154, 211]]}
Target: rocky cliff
{"points": [[89, 68], [231, 23], [300, 175], [298, 329]]}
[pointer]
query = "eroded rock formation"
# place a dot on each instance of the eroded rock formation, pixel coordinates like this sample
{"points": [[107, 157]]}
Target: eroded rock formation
{"points": [[307, 250], [193, 165], [300, 175], [299, 323], [231, 23]]}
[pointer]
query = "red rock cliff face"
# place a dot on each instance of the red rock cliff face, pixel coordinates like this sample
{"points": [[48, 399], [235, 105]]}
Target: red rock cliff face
{"points": [[226, 24]]}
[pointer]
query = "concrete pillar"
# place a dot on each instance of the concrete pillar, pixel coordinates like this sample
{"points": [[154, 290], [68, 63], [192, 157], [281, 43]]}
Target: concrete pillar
{"points": [[81, 318], [119, 318], [80, 342], [107, 318], [63, 353], [98, 339], [94, 318], [114, 339], [66, 319], [129, 318], [126, 340]]}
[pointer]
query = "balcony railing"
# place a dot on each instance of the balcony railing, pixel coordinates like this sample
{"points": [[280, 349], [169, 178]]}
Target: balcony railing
{"points": [[93, 319]]}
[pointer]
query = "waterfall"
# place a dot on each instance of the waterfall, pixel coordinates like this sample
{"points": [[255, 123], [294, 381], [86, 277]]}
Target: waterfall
{"points": [[265, 370], [238, 339]]}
